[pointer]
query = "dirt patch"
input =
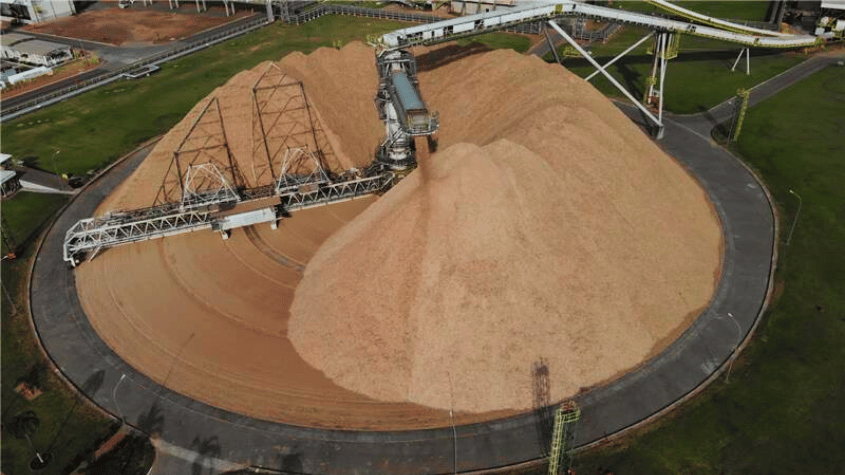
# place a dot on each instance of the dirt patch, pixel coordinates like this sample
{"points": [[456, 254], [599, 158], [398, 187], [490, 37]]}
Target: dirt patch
{"points": [[118, 26]]}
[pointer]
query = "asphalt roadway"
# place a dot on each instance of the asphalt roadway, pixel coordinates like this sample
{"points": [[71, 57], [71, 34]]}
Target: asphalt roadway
{"points": [[114, 57]]}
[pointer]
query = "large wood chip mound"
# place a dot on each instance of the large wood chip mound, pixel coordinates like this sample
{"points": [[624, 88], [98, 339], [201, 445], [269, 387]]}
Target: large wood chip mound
{"points": [[546, 230]]}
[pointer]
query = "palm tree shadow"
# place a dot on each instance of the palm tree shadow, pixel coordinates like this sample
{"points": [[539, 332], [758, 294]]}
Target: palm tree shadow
{"points": [[207, 448], [290, 463], [152, 421], [90, 388]]}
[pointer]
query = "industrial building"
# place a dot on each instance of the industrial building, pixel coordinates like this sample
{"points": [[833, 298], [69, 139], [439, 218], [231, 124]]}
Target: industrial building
{"points": [[471, 7], [9, 182], [28, 49], [35, 11]]}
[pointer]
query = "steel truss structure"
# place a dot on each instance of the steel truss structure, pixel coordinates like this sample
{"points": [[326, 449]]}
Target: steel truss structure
{"points": [[563, 437], [295, 192], [291, 160], [93, 234], [303, 183], [205, 150], [282, 120]]}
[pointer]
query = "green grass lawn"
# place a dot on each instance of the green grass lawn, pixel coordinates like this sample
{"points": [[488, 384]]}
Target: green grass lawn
{"points": [[26, 212], [69, 428], [94, 129], [519, 43], [698, 79], [784, 409]]}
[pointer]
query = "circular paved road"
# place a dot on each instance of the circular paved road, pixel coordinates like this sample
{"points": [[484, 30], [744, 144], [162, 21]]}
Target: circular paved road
{"points": [[748, 226]]}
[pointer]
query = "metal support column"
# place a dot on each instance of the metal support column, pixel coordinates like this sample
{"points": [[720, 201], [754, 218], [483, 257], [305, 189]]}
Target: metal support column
{"points": [[747, 53], [664, 45], [610, 78], [270, 10]]}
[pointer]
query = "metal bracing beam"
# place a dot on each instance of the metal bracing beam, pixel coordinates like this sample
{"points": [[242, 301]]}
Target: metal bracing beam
{"points": [[552, 45], [205, 142], [664, 45], [609, 77], [282, 120], [620, 55], [747, 53]]}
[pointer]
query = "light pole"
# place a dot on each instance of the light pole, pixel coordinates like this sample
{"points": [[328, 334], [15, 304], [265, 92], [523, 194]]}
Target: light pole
{"points": [[55, 169], [797, 213], [736, 345], [114, 397]]}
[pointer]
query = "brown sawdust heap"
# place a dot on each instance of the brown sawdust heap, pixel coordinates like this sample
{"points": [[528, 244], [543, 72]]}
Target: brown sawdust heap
{"points": [[547, 228], [345, 116]]}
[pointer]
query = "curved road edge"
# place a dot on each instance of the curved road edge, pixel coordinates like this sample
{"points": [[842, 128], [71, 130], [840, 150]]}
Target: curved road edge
{"points": [[683, 368]]}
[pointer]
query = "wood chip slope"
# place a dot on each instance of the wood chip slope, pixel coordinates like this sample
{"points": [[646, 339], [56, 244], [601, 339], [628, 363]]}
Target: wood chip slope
{"points": [[547, 229]]}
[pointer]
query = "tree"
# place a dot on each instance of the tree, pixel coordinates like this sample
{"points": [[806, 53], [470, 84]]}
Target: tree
{"points": [[23, 426]]}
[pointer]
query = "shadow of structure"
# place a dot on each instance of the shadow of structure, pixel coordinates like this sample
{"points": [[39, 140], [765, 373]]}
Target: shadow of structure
{"points": [[448, 54], [542, 405], [290, 463]]}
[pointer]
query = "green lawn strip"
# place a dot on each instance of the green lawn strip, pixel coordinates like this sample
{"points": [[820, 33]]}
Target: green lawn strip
{"points": [[782, 412], [94, 129], [69, 428], [698, 79], [26, 212], [518, 43]]}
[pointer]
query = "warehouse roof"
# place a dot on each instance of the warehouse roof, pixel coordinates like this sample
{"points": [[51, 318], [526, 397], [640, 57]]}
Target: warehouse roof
{"points": [[6, 175], [40, 47], [4, 157]]}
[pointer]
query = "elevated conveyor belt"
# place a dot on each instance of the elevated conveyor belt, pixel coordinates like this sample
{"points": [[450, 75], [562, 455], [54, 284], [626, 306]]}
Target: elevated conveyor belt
{"points": [[490, 21], [711, 21]]}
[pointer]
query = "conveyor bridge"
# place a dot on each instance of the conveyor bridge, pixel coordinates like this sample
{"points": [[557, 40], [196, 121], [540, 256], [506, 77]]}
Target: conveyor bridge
{"points": [[481, 23]]}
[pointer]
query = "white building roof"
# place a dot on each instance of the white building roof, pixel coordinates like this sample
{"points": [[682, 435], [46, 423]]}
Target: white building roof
{"points": [[40, 47], [6, 175], [4, 157]]}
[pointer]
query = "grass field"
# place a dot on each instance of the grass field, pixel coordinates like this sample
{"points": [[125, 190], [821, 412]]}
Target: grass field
{"points": [[26, 212], [519, 43], [94, 129], [698, 79], [784, 409], [68, 427]]}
